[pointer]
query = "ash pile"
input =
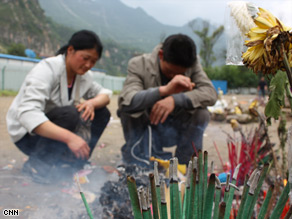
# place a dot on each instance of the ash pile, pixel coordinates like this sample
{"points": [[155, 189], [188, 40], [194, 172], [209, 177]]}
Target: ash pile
{"points": [[114, 195]]}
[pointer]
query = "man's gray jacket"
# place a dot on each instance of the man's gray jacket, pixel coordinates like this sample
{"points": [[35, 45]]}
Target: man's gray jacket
{"points": [[143, 73]]}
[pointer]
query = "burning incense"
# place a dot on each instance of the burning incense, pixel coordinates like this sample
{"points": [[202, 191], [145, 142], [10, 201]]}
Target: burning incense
{"points": [[83, 198], [231, 193], [207, 203], [200, 185], [175, 205], [250, 196], [222, 207], [263, 174], [217, 197], [265, 205], [144, 202], [205, 178], [194, 188], [163, 214], [154, 196], [245, 193], [157, 185], [134, 197], [227, 188], [281, 203], [186, 206]]}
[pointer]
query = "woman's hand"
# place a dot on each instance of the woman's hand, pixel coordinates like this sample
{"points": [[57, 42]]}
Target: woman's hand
{"points": [[88, 106], [88, 110], [79, 147], [76, 144]]}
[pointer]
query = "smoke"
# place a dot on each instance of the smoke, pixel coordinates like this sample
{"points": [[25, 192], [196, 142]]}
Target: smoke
{"points": [[60, 199]]}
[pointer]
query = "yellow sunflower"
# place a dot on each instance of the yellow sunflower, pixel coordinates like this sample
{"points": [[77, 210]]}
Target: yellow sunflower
{"points": [[268, 41]]}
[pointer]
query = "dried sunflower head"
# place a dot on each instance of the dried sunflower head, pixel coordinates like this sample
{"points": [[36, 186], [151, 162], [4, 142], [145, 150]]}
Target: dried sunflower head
{"points": [[268, 41]]}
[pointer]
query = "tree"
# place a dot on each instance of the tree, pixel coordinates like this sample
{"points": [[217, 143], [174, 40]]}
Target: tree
{"points": [[16, 49], [207, 42]]}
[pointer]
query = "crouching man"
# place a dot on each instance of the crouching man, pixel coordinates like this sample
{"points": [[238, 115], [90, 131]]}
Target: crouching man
{"points": [[163, 102]]}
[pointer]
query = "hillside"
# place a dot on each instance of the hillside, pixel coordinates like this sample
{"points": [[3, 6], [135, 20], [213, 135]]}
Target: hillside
{"points": [[23, 21], [44, 26], [111, 19], [115, 21]]}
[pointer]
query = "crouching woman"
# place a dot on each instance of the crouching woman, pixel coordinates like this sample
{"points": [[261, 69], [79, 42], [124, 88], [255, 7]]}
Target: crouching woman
{"points": [[47, 121]]}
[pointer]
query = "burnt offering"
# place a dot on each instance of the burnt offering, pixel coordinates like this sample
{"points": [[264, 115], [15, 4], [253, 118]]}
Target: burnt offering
{"points": [[114, 195]]}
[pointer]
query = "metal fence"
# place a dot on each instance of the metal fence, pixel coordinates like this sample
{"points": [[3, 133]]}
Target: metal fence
{"points": [[14, 70]]}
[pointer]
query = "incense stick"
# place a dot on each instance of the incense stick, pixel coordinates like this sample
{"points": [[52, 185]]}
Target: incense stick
{"points": [[83, 198]]}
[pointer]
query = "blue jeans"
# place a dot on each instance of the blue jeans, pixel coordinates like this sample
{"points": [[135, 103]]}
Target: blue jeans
{"points": [[52, 152], [182, 129]]}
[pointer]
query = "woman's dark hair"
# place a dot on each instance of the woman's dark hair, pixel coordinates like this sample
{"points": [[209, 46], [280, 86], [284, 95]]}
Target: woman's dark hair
{"points": [[179, 49], [83, 39]]}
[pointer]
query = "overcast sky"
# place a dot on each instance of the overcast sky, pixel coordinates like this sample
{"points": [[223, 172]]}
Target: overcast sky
{"points": [[180, 12]]}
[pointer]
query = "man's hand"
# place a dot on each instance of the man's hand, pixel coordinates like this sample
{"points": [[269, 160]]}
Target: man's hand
{"points": [[178, 84], [79, 147], [88, 109], [161, 110]]}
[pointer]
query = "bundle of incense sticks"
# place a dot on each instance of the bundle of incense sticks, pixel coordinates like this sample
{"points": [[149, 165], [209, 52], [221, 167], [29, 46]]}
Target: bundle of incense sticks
{"points": [[202, 196]]}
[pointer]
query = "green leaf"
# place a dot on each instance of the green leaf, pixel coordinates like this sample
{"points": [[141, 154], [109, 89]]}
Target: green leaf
{"points": [[277, 95]]}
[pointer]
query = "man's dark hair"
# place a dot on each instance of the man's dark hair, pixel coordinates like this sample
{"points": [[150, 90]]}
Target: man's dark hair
{"points": [[83, 39], [179, 49]]}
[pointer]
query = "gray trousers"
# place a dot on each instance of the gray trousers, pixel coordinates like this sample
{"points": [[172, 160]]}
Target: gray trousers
{"points": [[183, 129]]}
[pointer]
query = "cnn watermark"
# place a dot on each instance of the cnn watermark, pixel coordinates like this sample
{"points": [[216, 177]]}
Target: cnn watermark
{"points": [[11, 212]]}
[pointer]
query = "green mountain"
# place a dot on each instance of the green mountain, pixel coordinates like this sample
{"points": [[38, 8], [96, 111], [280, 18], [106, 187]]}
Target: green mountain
{"points": [[110, 19], [24, 22], [113, 20], [44, 26]]}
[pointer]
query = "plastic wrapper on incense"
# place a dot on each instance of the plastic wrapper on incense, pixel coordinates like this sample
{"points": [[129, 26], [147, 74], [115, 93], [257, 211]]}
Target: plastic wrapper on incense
{"points": [[259, 186], [144, 202]]}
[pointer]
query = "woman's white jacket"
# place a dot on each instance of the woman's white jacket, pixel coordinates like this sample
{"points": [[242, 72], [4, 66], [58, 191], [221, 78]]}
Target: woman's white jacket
{"points": [[44, 88]]}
